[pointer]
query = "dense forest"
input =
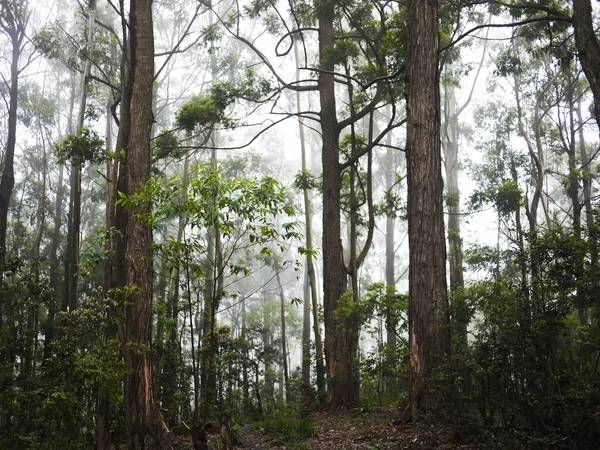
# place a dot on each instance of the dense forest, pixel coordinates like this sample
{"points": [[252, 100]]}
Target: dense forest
{"points": [[268, 220]]}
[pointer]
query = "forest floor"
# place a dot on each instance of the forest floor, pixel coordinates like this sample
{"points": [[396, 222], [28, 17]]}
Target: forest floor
{"points": [[384, 429]]}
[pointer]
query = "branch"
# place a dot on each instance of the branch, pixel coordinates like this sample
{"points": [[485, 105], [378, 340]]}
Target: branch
{"points": [[526, 5], [183, 36], [366, 110], [372, 145], [506, 25]]}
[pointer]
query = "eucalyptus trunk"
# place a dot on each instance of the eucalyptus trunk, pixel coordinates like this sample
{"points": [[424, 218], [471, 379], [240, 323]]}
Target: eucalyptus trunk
{"points": [[74, 232], [429, 332], [14, 28], [145, 424], [284, 355], [588, 48], [311, 280]]}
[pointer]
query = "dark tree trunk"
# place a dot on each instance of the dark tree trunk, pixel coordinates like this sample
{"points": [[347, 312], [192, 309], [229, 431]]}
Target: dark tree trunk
{"points": [[145, 424], [429, 331], [340, 345], [588, 48], [16, 34]]}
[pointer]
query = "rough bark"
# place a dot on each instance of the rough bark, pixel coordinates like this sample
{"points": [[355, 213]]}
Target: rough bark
{"points": [[340, 344], [588, 48], [145, 425], [429, 333]]}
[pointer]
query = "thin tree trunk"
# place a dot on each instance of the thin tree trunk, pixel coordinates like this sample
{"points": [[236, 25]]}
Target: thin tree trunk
{"points": [[102, 417], [311, 281], [284, 356], [587, 201], [390, 269], [573, 193], [72, 275]]}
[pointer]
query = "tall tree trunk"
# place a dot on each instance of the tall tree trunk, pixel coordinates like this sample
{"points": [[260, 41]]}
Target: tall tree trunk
{"points": [[32, 317], [573, 193], [49, 328], [145, 424], [102, 416], [587, 201], [15, 30], [72, 276], [340, 346], [390, 269], [213, 279], [429, 333], [450, 141], [588, 48], [311, 279]]}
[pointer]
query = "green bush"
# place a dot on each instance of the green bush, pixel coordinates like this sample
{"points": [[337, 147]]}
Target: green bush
{"points": [[287, 428]]}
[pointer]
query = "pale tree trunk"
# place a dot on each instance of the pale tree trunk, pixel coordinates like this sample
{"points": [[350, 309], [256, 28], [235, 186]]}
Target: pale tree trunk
{"points": [[145, 425], [587, 201], [31, 341], [573, 193], [55, 283], [311, 279], [173, 292], [73, 237], [245, 380], [284, 356], [450, 141], [429, 333], [102, 416], [390, 268], [212, 279]]}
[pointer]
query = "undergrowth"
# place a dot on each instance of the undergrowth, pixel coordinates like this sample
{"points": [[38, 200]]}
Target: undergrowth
{"points": [[287, 428]]}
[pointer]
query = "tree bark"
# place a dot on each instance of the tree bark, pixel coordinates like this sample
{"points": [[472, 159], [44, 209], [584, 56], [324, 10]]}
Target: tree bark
{"points": [[145, 424], [429, 333], [588, 48], [340, 345], [15, 29]]}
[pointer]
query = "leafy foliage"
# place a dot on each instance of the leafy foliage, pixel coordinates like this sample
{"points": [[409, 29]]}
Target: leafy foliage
{"points": [[85, 146]]}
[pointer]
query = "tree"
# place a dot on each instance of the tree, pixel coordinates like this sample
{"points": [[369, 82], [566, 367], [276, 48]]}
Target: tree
{"points": [[311, 278], [588, 48], [429, 331], [145, 425], [13, 22]]}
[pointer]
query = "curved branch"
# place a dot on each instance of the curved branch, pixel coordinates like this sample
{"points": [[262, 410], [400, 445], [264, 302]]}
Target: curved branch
{"points": [[505, 25]]}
